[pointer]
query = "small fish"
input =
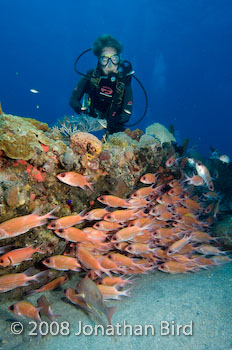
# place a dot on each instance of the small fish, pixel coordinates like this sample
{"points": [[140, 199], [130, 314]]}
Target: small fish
{"points": [[208, 249], [96, 214], [14, 280], [91, 294], [128, 233], [25, 309], [178, 245], [62, 263], [57, 282], [72, 234], [143, 192], [195, 180], [138, 248], [67, 221], [113, 201], [34, 91], [94, 234], [107, 225], [17, 226], [224, 159], [203, 172], [90, 262], [149, 179], [171, 161], [111, 292], [74, 179], [16, 256], [123, 215], [175, 267], [119, 281], [191, 162], [45, 308], [125, 261]]}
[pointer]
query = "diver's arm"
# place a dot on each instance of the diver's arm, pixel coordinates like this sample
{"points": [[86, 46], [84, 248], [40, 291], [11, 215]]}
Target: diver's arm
{"points": [[127, 105], [77, 94]]}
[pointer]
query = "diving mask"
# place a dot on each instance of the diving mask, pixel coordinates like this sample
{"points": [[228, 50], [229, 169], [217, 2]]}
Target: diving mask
{"points": [[103, 60]]}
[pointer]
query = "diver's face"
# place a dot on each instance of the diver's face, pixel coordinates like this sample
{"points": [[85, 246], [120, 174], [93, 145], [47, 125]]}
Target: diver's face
{"points": [[109, 55]]}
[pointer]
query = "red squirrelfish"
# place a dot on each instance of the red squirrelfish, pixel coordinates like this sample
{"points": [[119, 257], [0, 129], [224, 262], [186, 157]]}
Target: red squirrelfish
{"points": [[62, 263], [148, 179], [25, 309], [16, 256], [72, 234], [114, 201], [74, 179], [14, 280], [67, 221], [17, 226]]}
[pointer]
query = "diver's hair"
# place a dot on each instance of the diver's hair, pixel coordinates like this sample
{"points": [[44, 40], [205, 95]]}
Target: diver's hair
{"points": [[106, 40]]}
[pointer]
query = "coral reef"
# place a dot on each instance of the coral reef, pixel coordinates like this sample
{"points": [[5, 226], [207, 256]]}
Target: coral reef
{"points": [[29, 180], [134, 134], [20, 137]]}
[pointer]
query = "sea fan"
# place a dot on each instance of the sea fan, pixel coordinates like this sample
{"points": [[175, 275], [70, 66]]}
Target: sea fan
{"points": [[72, 124], [161, 133]]}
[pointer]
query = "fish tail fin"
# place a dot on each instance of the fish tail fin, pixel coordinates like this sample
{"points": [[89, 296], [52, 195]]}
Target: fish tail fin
{"points": [[49, 216], [31, 292], [39, 276], [90, 186], [126, 293], [109, 313]]}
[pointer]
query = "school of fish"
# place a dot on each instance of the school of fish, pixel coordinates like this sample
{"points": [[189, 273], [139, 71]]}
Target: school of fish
{"points": [[165, 225]]}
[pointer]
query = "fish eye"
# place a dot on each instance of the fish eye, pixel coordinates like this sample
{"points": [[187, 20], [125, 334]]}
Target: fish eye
{"points": [[11, 307], [47, 260], [60, 230], [1, 261], [101, 198], [108, 216], [97, 225], [53, 225], [62, 175], [129, 248], [114, 238], [135, 195]]}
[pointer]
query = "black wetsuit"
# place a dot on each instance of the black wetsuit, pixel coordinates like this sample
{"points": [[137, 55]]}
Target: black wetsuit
{"points": [[105, 100]]}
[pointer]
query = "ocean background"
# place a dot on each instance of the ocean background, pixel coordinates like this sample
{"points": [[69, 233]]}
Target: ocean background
{"points": [[180, 50]]}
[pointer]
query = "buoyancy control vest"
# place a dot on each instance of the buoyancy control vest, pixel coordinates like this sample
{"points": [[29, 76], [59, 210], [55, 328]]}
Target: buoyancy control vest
{"points": [[106, 92]]}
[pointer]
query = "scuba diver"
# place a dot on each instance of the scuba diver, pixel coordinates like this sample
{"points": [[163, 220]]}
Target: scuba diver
{"points": [[108, 86]]}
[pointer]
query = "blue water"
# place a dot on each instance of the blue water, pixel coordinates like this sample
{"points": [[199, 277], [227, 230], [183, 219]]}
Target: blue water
{"points": [[180, 50]]}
